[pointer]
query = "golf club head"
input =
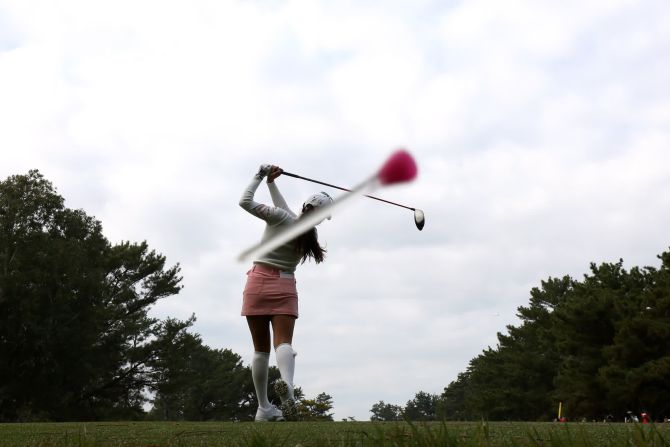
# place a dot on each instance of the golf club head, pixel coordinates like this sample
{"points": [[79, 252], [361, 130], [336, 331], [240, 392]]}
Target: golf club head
{"points": [[419, 219]]}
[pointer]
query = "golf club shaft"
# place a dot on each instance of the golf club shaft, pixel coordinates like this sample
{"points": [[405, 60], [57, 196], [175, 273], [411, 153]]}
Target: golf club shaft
{"points": [[344, 189], [305, 222]]}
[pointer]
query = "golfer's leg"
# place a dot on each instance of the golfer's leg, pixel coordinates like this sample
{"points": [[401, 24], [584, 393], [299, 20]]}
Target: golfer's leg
{"points": [[282, 328], [260, 333], [259, 326]]}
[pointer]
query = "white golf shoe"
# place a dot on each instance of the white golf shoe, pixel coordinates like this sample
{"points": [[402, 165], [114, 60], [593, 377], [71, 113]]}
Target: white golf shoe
{"points": [[269, 414], [288, 407]]}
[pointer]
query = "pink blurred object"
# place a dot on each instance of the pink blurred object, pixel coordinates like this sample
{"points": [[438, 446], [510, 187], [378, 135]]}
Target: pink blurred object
{"points": [[400, 167]]}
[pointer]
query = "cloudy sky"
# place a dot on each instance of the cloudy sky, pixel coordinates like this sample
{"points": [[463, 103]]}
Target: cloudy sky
{"points": [[541, 130]]}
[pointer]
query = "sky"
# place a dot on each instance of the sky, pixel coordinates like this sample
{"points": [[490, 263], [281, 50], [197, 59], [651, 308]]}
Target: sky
{"points": [[541, 131]]}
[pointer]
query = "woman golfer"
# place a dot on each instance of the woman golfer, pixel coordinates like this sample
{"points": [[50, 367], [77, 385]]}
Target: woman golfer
{"points": [[270, 298]]}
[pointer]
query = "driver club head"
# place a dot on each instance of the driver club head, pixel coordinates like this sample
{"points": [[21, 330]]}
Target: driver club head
{"points": [[419, 219]]}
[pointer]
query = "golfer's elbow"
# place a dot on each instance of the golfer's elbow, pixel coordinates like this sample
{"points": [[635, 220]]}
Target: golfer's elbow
{"points": [[245, 202]]}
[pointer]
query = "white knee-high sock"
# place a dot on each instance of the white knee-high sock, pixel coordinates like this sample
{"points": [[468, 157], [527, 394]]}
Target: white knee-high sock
{"points": [[259, 373], [286, 364]]}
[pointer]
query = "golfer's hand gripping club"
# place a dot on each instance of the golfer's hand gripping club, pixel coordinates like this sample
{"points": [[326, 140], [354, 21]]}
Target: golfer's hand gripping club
{"points": [[263, 170]]}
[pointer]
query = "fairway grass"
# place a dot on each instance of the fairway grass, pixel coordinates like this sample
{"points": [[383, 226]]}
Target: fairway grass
{"points": [[187, 434]]}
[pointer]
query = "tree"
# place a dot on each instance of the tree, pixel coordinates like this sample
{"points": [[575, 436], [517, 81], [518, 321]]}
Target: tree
{"points": [[585, 325], [76, 341], [385, 412], [192, 381], [424, 407], [316, 409], [514, 381], [638, 360], [598, 345], [454, 396], [74, 329]]}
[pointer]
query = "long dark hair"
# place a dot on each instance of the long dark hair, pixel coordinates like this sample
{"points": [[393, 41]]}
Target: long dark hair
{"points": [[307, 244]]}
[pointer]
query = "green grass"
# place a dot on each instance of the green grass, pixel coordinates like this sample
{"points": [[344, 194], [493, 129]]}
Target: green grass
{"points": [[346, 434]]}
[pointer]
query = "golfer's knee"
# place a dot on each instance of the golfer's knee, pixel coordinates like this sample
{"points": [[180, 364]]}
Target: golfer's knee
{"points": [[281, 340], [262, 347]]}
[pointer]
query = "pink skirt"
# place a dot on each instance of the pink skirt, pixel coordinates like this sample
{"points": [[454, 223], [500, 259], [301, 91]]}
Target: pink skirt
{"points": [[269, 291]]}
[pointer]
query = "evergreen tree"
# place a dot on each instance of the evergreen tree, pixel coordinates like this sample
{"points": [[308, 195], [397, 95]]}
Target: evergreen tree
{"points": [[638, 360], [598, 345], [585, 325], [454, 398], [73, 310]]}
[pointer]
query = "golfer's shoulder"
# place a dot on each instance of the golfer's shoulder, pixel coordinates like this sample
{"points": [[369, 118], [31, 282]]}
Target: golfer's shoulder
{"points": [[279, 216], [288, 217]]}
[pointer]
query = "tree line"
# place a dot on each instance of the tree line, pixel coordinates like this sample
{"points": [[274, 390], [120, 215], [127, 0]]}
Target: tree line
{"points": [[423, 407], [76, 338], [600, 346]]}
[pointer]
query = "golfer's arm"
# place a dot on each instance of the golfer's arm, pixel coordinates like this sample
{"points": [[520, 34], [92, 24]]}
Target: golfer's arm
{"points": [[277, 198], [270, 214]]}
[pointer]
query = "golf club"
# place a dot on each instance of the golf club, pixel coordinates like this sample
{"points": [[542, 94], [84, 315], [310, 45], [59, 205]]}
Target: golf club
{"points": [[419, 218], [400, 167]]}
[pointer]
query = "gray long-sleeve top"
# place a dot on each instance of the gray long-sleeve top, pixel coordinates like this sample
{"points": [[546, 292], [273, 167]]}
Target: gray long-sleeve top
{"points": [[285, 257]]}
